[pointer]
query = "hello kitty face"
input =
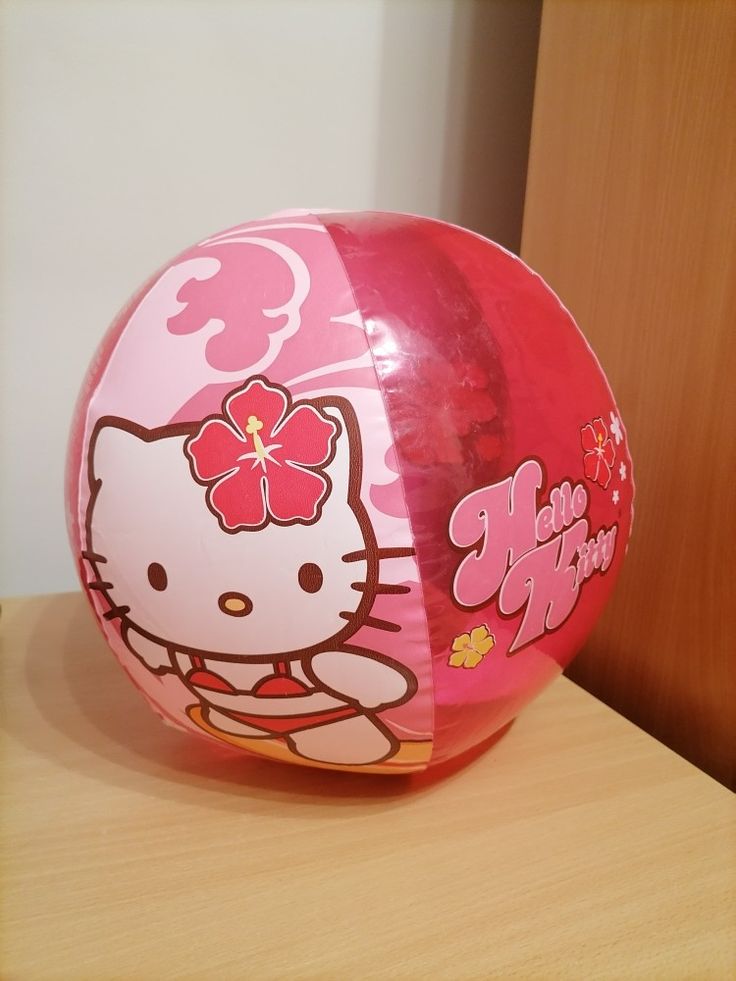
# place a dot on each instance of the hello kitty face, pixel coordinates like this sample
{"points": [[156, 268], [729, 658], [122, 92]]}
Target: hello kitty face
{"points": [[200, 579]]}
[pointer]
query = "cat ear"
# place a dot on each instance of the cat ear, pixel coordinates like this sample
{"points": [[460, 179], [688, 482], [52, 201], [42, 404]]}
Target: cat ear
{"points": [[345, 468], [114, 444]]}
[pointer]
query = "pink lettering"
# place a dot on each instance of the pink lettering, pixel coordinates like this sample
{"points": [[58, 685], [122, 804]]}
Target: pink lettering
{"points": [[566, 503], [545, 526], [596, 554], [544, 581], [534, 560], [499, 522], [579, 500], [554, 500]]}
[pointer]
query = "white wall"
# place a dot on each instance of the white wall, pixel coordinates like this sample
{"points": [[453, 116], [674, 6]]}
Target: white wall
{"points": [[129, 129]]}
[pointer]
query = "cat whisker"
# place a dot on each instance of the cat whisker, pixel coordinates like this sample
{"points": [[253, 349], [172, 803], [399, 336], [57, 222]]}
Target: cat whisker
{"points": [[115, 612], [99, 584], [373, 622], [381, 587], [396, 553], [355, 556], [382, 624], [382, 553], [93, 556]]}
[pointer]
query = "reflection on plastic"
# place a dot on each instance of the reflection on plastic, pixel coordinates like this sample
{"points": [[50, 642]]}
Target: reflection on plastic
{"points": [[346, 490]]}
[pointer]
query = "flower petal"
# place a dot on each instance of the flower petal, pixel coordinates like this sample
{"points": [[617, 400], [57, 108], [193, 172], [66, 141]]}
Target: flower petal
{"points": [[484, 646], [478, 635], [268, 403], [461, 642], [456, 659], [306, 437], [599, 427], [590, 465], [472, 659], [609, 453], [603, 476], [587, 438], [214, 451], [239, 499], [293, 493]]}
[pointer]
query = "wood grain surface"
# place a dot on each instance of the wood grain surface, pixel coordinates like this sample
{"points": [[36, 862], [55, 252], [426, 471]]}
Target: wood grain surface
{"points": [[574, 846], [631, 218]]}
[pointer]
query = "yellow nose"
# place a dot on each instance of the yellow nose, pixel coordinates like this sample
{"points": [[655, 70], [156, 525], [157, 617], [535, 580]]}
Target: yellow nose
{"points": [[235, 604]]}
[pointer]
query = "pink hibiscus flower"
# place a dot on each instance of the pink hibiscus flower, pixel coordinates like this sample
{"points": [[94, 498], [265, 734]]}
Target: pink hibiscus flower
{"points": [[599, 452], [261, 460]]}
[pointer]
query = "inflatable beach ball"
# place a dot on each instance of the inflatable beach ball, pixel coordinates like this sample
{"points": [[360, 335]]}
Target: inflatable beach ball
{"points": [[346, 490]]}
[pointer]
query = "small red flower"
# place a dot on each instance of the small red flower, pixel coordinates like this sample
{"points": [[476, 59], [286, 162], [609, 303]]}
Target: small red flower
{"points": [[599, 452], [261, 460]]}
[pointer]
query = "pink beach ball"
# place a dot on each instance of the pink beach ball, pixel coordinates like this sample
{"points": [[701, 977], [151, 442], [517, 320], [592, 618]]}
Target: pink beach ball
{"points": [[346, 490]]}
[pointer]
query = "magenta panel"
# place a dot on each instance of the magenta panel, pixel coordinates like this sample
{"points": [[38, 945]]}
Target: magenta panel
{"points": [[513, 457]]}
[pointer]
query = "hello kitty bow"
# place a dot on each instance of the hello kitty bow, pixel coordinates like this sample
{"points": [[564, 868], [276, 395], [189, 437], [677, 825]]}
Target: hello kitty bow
{"points": [[263, 459]]}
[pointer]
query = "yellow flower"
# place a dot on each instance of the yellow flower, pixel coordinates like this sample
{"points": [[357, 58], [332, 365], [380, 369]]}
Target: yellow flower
{"points": [[468, 650]]}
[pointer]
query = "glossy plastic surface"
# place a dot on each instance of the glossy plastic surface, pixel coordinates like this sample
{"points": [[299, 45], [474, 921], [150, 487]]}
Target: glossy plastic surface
{"points": [[483, 372], [346, 489]]}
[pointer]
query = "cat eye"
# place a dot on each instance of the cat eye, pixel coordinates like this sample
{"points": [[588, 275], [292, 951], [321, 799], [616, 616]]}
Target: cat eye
{"points": [[157, 576], [310, 577]]}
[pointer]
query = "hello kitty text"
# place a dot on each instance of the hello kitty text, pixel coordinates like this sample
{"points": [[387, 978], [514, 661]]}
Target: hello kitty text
{"points": [[529, 558]]}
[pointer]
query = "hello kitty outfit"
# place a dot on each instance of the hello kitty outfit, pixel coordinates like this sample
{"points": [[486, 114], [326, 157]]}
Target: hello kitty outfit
{"points": [[279, 685]]}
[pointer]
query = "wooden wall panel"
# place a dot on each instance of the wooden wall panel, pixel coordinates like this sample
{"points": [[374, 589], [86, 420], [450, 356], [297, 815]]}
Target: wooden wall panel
{"points": [[631, 217]]}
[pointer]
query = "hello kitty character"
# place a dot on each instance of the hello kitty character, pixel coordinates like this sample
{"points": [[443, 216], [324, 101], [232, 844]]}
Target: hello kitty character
{"points": [[237, 554]]}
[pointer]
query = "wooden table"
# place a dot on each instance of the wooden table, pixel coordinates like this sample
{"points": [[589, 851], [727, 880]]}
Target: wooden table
{"points": [[575, 846]]}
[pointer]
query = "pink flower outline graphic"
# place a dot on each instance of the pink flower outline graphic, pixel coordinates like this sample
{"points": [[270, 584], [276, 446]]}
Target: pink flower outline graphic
{"points": [[599, 453], [263, 459]]}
